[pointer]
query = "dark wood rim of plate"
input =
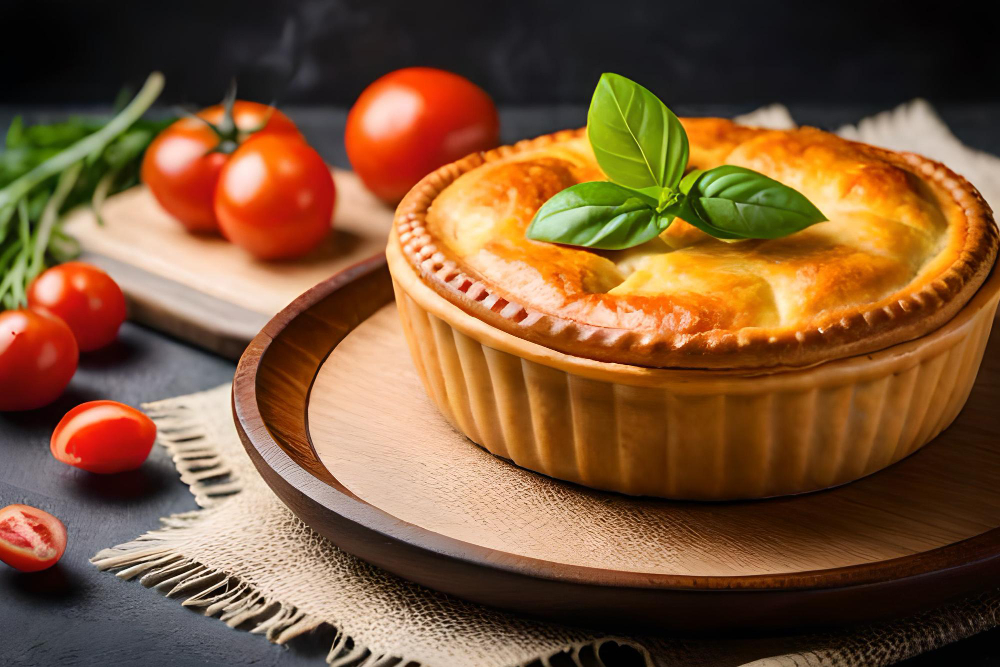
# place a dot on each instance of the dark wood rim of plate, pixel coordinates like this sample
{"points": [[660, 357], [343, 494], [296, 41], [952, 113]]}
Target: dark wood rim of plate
{"points": [[270, 399]]}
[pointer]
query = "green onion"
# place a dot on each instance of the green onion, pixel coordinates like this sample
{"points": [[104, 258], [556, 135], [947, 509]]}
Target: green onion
{"points": [[47, 169]]}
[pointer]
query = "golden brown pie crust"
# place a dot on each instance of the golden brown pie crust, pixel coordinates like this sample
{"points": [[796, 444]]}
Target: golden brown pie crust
{"points": [[559, 297]]}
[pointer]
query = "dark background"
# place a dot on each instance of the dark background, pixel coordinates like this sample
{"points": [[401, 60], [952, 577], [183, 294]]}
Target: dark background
{"points": [[832, 63], [538, 53]]}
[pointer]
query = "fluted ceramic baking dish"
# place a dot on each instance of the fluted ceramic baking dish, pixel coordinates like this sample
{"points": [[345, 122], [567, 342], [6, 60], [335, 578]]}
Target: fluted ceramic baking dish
{"points": [[689, 434]]}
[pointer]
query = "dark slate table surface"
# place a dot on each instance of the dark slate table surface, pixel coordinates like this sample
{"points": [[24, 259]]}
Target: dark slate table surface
{"points": [[75, 615]]}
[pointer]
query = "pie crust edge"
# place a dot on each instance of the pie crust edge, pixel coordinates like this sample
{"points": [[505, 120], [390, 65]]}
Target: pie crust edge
{"points": [[860, 330]]}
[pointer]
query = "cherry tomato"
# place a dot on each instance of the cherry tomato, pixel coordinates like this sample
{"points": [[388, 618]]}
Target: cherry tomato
{"points": [[85, 297], [275, 198], [103, 437], [38, 356], [30, 539], [412, 121], [181, 166]]}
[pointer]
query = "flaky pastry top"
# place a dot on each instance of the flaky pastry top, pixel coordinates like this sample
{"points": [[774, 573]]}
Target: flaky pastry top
{"points": [[907, 243]]}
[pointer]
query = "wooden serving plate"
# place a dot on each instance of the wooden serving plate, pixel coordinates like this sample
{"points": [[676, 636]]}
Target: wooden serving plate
{"points": [[332, 413]]}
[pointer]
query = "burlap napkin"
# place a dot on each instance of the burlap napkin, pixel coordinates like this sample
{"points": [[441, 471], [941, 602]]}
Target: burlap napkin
{"points": [[247, 560]]}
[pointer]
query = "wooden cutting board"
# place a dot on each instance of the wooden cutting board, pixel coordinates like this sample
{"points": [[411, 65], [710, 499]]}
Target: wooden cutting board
{"points": [[205, 290]]}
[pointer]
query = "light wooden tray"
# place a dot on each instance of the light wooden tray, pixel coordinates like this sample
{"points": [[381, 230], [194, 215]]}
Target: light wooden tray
{"points": [[332, 413], [202, 288]]}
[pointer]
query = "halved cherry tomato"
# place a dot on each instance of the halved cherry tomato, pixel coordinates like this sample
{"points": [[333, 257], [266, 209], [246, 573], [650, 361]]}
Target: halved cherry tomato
{"points": [[103, 437], [85, 297], [181, 166], [412, 121], [30, 539], [38, 356], [275, 198]]}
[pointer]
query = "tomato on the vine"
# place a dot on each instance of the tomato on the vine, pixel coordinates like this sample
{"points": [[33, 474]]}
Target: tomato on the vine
{"points": [[412, 121], [103, 437], [275, 198], [84, 297], [30, 539], [38, 356], [181, 166]]}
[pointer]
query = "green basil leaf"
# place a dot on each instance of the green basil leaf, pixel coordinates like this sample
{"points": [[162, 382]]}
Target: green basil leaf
{"points": [[598, 214], [745, 204], [685, 185], [686, 212], [637, 140]]}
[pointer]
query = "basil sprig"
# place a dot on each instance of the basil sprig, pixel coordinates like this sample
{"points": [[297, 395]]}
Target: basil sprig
{"points": [[643, 149]]}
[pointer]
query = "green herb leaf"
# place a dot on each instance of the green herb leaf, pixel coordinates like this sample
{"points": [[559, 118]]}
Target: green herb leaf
{"points": [[15, 133], [742, 203], [686, 212], [598, 215], [637, 140], [46, 169], [85, 146], [643, 149], [689, 179]]}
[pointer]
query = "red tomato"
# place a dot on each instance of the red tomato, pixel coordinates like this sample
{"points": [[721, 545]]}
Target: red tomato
{"points": [[103, 437], [275, 198], [412, 121], [30, 539], [38, 356], [85, 297], [181, 166]]}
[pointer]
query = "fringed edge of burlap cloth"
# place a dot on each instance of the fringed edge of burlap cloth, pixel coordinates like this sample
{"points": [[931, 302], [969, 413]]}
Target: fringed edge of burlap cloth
{"points": [[155, 559]]}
